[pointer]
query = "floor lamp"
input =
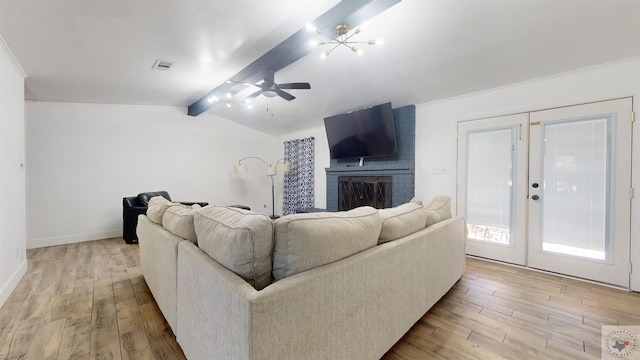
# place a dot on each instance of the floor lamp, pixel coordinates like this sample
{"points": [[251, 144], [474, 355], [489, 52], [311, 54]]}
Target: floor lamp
{"points": [[271, 172]]}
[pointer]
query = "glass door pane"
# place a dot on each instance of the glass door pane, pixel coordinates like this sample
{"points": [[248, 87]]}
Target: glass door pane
{"points": [[490, 185], [575, 192]]}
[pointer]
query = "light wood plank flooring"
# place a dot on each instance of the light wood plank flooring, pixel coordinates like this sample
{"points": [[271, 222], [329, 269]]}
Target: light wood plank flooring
{"points": [[501, 312], [84, 301], [89, 301]]}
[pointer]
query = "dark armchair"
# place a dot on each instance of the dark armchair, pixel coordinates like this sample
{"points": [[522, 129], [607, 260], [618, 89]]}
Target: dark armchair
{"points": [[136, 205]]}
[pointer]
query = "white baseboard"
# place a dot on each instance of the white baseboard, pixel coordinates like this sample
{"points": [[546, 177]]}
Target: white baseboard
{"points": [[8, 288], [70, 239]]}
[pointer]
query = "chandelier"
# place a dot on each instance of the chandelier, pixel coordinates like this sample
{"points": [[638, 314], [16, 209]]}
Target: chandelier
{"points": [[343, 36]]}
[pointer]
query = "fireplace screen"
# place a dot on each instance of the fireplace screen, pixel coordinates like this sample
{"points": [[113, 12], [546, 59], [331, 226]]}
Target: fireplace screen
{"points": [[354, 191]]}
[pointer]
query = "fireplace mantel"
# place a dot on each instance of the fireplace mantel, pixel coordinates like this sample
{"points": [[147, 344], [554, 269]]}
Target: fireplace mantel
{"points": [[372, 166]]}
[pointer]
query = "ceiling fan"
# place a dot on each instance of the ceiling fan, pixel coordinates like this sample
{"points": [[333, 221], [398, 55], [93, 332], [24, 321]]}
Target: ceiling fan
{"points": [[270, 89]]}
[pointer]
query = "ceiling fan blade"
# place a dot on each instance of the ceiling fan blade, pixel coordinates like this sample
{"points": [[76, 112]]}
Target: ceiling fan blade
{"points": [[295, 86], [255, 94], [285, 95]]}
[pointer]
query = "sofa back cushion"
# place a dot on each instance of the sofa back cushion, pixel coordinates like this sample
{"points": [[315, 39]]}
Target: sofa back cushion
{"points": [[307, 241], [240, 240], [439, 209], [157, 206], [178, 220], [401, 221]]}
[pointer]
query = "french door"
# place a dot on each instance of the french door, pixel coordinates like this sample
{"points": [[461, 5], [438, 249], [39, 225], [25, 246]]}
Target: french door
{"points": [[492, 158], [571, 213], [580, 191]]}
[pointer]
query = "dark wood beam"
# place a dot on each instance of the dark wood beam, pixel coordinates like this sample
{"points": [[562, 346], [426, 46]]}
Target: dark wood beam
{"points": [[295, 47]]}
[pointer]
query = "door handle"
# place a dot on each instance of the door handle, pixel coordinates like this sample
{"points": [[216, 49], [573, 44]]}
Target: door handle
{"points": [[535, 197]]}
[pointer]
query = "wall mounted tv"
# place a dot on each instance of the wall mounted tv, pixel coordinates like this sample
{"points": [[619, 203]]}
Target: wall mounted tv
{"points": [[362, 133]]}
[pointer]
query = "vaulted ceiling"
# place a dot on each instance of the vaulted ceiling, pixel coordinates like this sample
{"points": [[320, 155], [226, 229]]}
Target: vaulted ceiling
{"points": [[102, 51]]}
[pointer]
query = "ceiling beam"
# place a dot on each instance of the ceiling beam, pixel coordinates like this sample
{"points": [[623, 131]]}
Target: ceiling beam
{"points": [[353, 12]]}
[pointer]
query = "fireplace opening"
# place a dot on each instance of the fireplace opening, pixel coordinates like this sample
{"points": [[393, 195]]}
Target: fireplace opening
{"points": [[355, 191]]}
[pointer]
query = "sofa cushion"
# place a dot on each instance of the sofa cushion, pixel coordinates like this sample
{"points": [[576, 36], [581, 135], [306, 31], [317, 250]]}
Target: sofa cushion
{"points": [[240, 240], [307, 241], [439, 209], [157, 206], [401, 221], [178, 220]]}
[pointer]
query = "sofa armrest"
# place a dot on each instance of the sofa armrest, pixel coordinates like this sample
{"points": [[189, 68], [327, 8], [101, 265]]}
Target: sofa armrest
{"points": [[130, 222], [143, 198], [134, 211], [189, 203], [129, 201]]}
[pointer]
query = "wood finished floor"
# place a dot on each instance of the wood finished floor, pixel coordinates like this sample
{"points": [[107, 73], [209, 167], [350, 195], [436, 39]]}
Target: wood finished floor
{"points": [[89, 301]]}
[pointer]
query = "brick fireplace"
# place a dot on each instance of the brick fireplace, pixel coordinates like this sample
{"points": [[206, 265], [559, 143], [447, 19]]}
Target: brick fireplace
{"points": [[380, 181]]}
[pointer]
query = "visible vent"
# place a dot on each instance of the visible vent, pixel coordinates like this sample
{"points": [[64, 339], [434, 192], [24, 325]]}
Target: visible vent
{"points": [[162, 65]]}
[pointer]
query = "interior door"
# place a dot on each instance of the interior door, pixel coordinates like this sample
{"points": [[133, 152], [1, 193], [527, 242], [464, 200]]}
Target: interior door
{"points": [[492, 186], [580, 191]]}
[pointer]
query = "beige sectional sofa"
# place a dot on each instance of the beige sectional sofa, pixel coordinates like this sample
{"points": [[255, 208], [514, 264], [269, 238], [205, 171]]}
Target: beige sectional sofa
{"points": [[344, 285]]}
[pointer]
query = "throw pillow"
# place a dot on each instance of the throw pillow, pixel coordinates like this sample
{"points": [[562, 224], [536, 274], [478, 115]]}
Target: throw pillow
{"points": [[439, 209], [240, 240], [401, 221], [178, 220], [157, 206], [306, 241]]}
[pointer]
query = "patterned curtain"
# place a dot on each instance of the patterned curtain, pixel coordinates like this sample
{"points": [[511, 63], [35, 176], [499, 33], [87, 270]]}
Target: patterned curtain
{"points": [[299, 182]]}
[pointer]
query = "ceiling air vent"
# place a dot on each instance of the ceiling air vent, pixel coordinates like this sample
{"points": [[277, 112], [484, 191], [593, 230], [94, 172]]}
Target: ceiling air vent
{"points": [[162, 65]]}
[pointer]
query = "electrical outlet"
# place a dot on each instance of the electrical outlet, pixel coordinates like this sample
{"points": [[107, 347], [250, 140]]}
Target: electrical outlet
{"points": [[439, 170], [18, 254]]}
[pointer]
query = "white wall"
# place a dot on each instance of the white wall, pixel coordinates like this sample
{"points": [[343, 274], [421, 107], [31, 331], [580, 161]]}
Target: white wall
{"points": [[436, 124], [84, 158], [322, 160], [13, 263]]}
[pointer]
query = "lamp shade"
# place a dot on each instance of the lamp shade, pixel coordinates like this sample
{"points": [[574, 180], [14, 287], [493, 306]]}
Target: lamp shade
{"points": [[271, 171], [240, 169]]}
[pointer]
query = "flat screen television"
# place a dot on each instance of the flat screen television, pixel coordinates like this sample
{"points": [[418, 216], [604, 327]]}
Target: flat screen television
{"points": [[363, 133]]}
